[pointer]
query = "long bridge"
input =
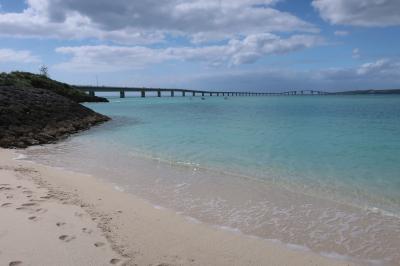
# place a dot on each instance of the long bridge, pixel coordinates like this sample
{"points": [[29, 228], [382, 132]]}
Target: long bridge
{"points": [[187, 92]]}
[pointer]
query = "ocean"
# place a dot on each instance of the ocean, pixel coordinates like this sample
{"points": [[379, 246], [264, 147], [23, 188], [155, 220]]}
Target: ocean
{"points": [[320, 173]]}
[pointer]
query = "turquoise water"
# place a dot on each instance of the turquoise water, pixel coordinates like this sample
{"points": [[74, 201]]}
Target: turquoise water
{"points": [[335, 159], [326, 143]]}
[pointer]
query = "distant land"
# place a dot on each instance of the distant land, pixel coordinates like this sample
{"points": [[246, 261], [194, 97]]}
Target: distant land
{"points": [[361, 92]]}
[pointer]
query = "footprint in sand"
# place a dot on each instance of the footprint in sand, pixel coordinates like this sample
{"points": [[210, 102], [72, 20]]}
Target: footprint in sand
{"points": [[15, 263], [60, 224], [114, 261], [66, 238], [29, 204], [5, 188], [5, 204], [99, 244], [78, 214], [40, 210], [86, 230], [33, 218]]}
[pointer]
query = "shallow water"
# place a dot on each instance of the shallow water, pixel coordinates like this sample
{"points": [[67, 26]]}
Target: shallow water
{"points": [[322, 172]]}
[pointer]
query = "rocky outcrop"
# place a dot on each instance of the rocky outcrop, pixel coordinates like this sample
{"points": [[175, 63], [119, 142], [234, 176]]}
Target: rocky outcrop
{"points": [[30, 80], [30, 116]]}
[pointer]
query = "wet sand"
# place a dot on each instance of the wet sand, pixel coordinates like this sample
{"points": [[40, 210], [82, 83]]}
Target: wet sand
{"points": [[49, 216]]}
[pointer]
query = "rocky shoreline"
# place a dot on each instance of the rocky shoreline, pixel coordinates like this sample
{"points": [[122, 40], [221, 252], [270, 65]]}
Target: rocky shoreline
{"points": [[32, 116]]}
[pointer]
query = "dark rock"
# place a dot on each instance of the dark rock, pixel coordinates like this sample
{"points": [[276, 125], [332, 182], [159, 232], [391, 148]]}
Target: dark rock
{"points": [[29, 80], [31, 116]]}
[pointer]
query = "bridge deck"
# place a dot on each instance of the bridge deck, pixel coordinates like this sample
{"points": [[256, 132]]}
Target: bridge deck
{"points": [[92, 89]]}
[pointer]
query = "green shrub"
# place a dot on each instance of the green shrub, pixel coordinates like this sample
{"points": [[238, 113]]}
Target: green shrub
{"points": [[30, 80]]}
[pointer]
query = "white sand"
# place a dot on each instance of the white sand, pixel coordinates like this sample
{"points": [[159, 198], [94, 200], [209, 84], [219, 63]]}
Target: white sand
{"points": [[85, 211]]}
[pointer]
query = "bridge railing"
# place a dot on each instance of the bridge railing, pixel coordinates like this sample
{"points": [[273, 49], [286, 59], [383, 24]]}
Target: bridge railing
{"points": [[188, 92]]}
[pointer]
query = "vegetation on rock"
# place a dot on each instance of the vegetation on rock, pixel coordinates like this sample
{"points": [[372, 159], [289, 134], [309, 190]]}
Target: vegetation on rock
{"points": [[28, 80]]}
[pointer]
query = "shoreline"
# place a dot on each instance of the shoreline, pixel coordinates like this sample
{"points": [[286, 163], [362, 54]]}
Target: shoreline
{"points": [[139, 233]]}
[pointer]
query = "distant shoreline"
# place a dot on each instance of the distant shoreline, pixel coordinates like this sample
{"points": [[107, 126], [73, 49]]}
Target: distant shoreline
{"points": [[369, 92]]}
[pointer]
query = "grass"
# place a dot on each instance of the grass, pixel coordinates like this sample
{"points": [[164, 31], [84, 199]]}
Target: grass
{"points": [[30, 80]]}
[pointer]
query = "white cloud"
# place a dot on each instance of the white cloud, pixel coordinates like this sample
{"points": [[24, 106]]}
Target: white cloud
{"points": [[382, 68], [34, 22], [366, 13], [142, 22], [341, 33], [17, 56], [235, 52], [356, 53], [381, 74]]}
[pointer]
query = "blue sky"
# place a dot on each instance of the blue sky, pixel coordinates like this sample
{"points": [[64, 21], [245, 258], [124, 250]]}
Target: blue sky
{"points": [[260, 45]]}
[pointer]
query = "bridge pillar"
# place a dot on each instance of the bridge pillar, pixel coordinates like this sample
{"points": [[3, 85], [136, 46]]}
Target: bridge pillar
{"points": [[217, 93], [158, 93], [193, 93], [210, 93], [122, 94], [142, 93], [183, 94], [202, 94], [172, 93], [92, 94]]}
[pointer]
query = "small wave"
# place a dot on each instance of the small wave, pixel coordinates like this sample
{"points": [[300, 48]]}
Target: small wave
{"points": [[20, 157], [119, 188], [192, 220], [158, 207], [230, 229], [381, 212], [336, 256]]}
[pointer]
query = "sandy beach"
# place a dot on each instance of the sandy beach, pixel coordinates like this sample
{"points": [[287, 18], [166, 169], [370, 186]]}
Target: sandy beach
{"points": [[51, 216]]}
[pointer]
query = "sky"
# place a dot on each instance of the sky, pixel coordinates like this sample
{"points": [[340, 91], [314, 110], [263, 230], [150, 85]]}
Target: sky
{"points": [[258, 45]]}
